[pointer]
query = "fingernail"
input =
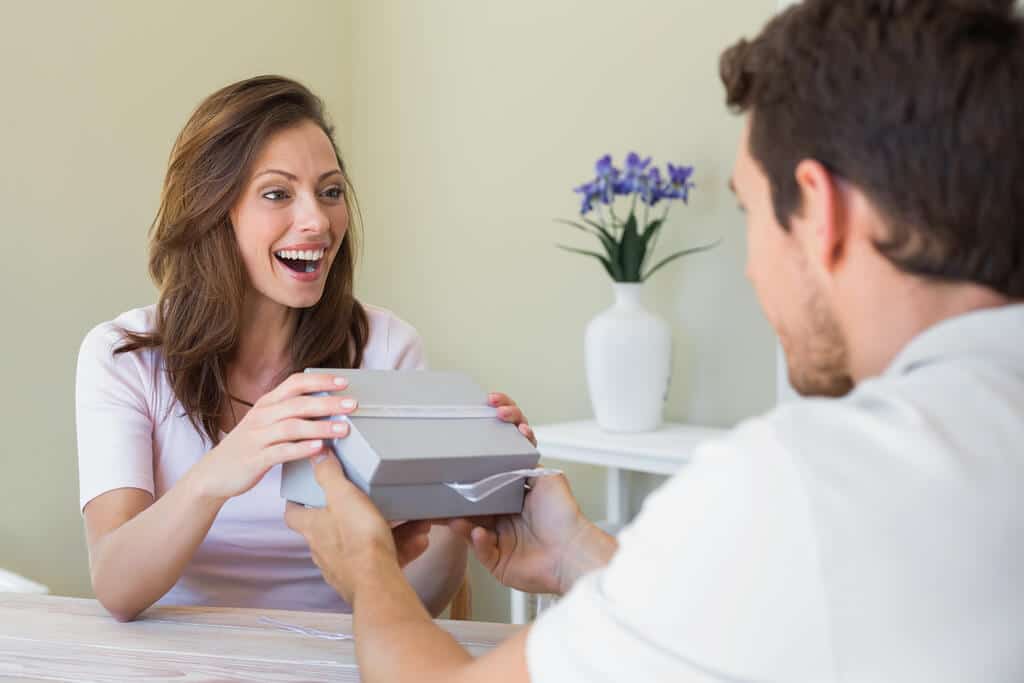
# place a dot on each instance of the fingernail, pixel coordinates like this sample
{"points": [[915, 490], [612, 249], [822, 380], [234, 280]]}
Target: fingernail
{"points": [[339, 427], [348, 403], [315, 445], [340, 381], [317, 459]]}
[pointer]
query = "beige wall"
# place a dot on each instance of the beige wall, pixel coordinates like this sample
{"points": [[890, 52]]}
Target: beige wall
{"points": [[94, 94], [465, 124], [475, 119]]}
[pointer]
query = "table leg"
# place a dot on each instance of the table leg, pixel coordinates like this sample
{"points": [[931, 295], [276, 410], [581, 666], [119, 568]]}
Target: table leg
{"points": [[519, 602], [616, 496]]}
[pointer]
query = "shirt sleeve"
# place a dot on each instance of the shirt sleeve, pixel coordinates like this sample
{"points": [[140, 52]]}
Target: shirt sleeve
{"points": [[405, 346], [113, 421], [716, 580]]}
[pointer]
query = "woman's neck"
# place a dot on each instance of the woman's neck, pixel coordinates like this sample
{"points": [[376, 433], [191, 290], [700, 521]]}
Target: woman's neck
{"points": [[263, 356]]}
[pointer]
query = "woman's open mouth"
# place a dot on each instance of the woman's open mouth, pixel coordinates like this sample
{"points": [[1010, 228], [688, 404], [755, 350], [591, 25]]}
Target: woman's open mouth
{"points": [[304, 263]]}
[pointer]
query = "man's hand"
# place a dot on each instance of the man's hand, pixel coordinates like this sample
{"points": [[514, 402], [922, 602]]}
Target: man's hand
{"points": [[349, 536], [544, 549]]}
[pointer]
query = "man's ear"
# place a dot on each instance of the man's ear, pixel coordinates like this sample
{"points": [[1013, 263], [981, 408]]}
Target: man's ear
{"points": [[819, 223]]}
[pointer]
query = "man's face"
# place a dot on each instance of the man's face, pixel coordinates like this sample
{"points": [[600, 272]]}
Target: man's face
{"points": [[789, 289]]}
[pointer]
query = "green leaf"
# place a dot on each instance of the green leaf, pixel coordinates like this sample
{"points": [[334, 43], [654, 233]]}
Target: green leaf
{"points": [[651, 230], [679, 254], [631, 251], [609, 243], [610, 267]]}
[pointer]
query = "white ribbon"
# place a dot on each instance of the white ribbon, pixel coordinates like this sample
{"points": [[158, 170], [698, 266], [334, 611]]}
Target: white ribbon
{"points": [[478, 490]]}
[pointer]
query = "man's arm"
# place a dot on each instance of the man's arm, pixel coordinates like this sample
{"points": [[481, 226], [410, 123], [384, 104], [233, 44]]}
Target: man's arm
{"points": [[396, 640]]}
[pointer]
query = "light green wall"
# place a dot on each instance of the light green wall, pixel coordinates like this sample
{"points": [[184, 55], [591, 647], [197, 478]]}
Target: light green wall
{"points": [[94, 94], [475, 119], [465, 125]]}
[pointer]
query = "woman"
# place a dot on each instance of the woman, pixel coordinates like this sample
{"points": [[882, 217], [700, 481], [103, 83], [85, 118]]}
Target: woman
{"points": [[185, 408]]}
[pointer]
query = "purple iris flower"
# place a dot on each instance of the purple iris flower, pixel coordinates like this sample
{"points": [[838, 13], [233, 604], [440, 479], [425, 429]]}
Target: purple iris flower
{"points": [[651, 187], [637, 177], [679, 183]]}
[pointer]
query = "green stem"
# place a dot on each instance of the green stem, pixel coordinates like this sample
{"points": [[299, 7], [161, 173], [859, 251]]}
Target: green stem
{"points": [[654, 240]]}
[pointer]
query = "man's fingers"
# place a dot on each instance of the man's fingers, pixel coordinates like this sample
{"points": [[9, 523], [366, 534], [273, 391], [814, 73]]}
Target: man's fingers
{"points": [[411, 540], [298, 517], [411, 529], [330, 476], [463, 528], [485, 546]]}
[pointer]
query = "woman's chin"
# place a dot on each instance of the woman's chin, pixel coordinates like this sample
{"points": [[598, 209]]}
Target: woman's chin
{"points": [[298, 300]]}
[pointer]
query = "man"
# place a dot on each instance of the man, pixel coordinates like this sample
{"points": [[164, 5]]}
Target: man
{"points": [[874, 533]]}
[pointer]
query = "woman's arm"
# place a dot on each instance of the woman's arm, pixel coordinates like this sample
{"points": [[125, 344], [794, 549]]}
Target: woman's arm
{"points": [[437, 574], [138, 548]]}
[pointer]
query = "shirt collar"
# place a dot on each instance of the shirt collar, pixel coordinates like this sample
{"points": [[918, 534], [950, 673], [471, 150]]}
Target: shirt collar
{"points": [[987, 333]]}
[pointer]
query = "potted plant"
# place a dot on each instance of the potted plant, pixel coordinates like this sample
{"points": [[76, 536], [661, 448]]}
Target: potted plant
{"points": [[627, 348]]}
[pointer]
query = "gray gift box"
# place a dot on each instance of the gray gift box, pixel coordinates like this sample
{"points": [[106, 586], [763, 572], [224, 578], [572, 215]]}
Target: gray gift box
{"points": [[413, 432]]}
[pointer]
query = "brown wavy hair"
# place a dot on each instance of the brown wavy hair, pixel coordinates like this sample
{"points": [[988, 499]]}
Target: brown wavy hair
{"points": [[195, 261]]}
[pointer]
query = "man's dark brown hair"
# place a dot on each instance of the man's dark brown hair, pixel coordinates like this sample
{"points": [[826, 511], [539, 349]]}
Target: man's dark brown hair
{"points": [[919, 103]]}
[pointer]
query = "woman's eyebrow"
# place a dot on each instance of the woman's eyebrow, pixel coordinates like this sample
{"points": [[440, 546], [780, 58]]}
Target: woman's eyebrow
{"points": [[293, 177]]}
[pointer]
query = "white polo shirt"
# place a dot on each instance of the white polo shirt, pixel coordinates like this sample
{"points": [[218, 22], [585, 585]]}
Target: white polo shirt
{"points": [[878, 537]]}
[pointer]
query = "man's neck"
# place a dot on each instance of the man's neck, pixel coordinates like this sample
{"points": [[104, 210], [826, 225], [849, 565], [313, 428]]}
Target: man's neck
{"points": [[879, 327]]}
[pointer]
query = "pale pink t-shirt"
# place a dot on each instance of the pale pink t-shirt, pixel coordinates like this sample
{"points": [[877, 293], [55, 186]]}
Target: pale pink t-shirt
{"points": [[127, 437]]}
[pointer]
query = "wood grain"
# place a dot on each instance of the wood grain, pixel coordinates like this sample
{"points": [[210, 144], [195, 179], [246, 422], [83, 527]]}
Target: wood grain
{"points": [[68, 639]]}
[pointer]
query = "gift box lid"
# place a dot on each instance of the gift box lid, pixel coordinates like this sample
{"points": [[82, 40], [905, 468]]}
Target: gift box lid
{"points": [[420, 426]]}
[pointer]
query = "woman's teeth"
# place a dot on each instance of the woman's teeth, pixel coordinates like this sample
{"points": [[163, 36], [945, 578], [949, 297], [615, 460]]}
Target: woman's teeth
{"points": [[300, 260], [301, 254]]}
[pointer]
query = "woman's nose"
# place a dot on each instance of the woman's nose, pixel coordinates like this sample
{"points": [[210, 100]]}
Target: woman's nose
{"points": [[311, 217]]}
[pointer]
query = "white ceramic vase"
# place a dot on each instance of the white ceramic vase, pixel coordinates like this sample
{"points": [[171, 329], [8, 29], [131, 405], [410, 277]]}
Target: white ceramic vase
{"points": [[628, 353]]}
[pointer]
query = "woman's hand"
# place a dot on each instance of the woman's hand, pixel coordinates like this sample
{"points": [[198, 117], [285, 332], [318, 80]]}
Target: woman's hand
{"points": [[282, 426], [508, 411]]}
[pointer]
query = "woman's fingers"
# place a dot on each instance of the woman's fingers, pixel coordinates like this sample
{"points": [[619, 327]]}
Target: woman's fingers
{"points": [[527, 431], [305, 407], [303, 383], [298, 429], [510, 414], [498, 399], [290, 451]]}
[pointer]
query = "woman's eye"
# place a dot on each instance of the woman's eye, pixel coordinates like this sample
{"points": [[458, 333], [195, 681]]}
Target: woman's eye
{"points": [[333, 193], [275, 195]]}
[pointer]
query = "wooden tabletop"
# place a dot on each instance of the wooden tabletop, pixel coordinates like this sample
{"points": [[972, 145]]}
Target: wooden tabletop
{"points": [[69, 639]]}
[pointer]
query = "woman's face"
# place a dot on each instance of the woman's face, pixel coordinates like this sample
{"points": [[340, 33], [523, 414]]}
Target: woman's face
{"points": [[291, 216]]}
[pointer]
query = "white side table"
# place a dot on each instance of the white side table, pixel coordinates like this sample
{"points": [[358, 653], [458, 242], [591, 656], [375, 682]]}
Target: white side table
{"points": [[13, 583], [660, 452]]}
